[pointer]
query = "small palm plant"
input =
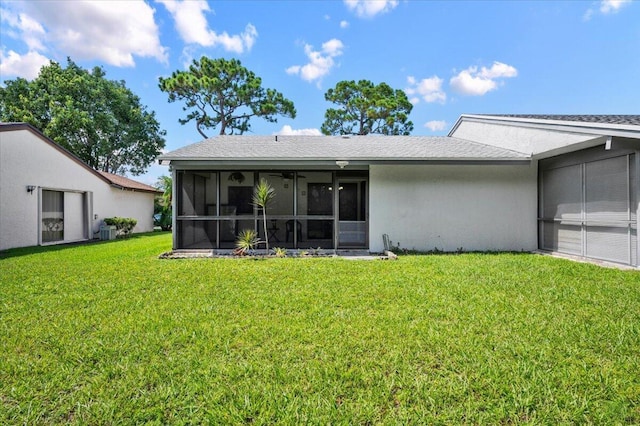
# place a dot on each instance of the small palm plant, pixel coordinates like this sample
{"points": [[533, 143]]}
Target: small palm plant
{"points": [[246, 242], [263, 194], [280, 252]]}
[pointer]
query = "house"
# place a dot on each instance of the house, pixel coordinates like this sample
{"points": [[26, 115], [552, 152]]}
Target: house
{"points": [[49, 196], [559, 183]]}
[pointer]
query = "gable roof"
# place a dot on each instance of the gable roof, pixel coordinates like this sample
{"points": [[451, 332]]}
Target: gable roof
{"points": [[602, 125], [356, 149], [126, 183], [109, 178]]}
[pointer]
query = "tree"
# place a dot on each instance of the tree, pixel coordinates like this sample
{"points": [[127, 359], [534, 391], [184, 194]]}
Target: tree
{"points": [[163, 205], [99, 120], [263, 194], [220, 92], [366, 108]]}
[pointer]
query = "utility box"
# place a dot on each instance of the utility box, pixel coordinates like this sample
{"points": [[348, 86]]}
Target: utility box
{"points": [[107, 232]]}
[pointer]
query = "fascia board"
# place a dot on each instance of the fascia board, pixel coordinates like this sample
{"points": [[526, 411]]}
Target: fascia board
{"points": [[362, 164]]}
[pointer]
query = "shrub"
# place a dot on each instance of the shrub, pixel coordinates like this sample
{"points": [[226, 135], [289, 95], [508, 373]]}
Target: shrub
{"points": [[280, 252], [124, 225], [246, 242]]}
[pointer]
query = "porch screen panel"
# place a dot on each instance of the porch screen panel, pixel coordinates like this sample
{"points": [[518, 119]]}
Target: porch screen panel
{"points": [[52, 216], [315, 193], [607, 209], [562, 209], [197, 234], [186, 204], [282, 184], [230, 229]]}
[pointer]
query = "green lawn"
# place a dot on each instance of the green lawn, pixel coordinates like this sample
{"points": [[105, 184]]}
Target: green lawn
{"points": [[108, 333]]}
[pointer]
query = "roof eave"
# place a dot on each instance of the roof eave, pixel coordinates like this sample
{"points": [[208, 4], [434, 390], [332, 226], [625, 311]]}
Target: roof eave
{"points": [[620, 130], [303, 162], [127, 188]]}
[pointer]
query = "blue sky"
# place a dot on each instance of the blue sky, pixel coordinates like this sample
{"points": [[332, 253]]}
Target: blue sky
{"points": [[455, 57]]}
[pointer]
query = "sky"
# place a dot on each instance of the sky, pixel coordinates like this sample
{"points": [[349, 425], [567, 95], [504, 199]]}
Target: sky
{"points": [[450, 57]]}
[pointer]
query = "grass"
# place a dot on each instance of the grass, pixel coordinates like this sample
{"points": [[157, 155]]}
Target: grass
{"points": [[107, 333]]}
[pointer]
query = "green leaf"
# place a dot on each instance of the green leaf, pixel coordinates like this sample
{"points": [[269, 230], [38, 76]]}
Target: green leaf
{"points": [[222, 93], [365, 108]]}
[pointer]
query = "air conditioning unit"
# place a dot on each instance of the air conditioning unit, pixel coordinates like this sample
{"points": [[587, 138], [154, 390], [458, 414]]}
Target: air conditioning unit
{"points": [[107, 232]]}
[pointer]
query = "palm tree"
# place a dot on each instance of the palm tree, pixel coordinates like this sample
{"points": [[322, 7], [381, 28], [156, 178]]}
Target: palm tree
{"points": [[263, 194]]}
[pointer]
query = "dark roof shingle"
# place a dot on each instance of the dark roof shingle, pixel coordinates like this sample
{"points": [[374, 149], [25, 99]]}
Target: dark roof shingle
{"points": [[128, 183]]}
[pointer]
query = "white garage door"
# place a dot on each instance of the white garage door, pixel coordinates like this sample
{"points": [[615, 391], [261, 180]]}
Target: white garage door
{"points": [[589, 209]]}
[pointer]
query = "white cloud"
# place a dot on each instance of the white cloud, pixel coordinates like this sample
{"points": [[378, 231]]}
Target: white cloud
{"points": [[191, 23], [25, 66], [370, 8], [89, 29], [344, 24], [289, 131], [498, 70], [436, 125], [606, 7], [320, 61], [474, 82], [612, 6], [25, 28], [430, 89]]}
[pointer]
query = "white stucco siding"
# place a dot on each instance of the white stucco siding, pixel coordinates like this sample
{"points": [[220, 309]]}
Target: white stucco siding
{"points": [[25, 159], [475, 207], [525, 140], [138, 205]]}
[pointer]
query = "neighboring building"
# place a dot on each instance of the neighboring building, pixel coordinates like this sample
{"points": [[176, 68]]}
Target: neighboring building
{"points": [[49, 196], [567, 184]]}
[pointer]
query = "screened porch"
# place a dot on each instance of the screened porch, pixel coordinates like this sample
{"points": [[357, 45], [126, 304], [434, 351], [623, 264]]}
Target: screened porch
{"points": [[311, 208]]}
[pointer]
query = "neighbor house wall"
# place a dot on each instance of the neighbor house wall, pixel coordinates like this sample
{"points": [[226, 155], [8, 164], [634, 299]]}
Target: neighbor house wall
{"points": [[26, 159], [124, 203], [448, 207]]}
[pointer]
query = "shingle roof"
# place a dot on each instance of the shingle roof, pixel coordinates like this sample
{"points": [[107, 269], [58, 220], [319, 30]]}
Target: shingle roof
{"points": [[128, 183], [356, 148], [633, 120]]}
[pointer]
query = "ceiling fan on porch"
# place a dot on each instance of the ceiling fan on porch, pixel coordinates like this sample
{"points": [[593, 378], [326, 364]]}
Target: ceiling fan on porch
{"points": [[287, 175], [236, 176]]}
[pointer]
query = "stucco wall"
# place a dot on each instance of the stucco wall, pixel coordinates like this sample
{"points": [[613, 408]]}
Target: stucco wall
{"points": [[117, 202], [488, 207], [525, 140], [25, 159]]}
